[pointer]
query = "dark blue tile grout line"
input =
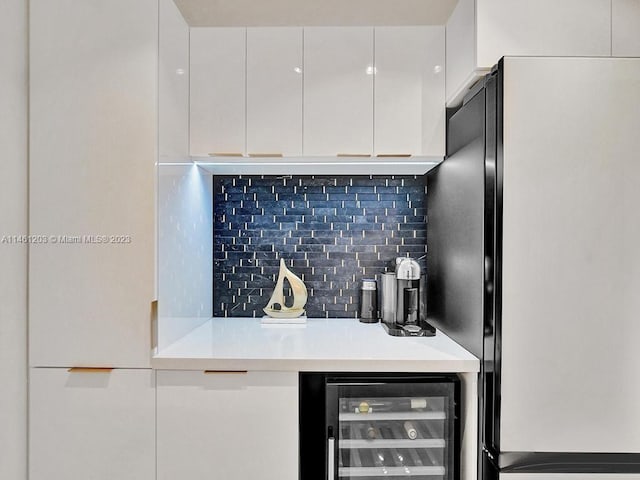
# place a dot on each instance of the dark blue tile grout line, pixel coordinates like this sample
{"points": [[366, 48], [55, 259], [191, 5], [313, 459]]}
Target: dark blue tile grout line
{"points": [[331, 231]]}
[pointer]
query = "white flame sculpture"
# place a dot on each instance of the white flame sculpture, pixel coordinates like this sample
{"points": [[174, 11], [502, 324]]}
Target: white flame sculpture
{"points": [[276, 307]]}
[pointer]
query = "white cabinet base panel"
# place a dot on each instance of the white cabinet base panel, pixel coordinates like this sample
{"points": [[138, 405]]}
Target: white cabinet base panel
{"points": [[232, 426], [87, 425]]}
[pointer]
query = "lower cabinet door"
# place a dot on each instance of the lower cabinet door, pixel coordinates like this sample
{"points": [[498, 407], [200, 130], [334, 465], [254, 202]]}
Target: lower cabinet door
{"points": [[231, 426], [97, 425]]}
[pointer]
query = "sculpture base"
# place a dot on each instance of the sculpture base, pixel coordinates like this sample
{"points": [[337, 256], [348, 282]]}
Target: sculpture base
{"points": [[271, 320]]}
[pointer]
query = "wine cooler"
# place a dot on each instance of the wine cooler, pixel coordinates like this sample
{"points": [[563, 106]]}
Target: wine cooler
{"points": [[375, 426]]}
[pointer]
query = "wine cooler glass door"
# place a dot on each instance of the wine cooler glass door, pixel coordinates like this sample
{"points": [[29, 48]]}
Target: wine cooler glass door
{"points": [[391, 430]]}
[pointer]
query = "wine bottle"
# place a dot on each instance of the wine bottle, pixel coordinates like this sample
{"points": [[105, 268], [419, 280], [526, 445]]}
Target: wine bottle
{"points": [[378, 458], [398, 458], [412, 433], [392, 404]]}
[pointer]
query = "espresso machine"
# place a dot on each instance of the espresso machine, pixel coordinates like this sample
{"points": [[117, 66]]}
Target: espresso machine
{"points": [[403, 300]]}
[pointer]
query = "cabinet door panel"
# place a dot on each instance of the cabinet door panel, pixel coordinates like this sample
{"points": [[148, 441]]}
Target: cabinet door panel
{"points": [[338, 90], [543, 27], [91, 425], [231, 426], [93, 145], [480, 32], [409, 90], [274, 91], [217, 95], [625, 28], [554, 222], [173, 84], [461, 47]]}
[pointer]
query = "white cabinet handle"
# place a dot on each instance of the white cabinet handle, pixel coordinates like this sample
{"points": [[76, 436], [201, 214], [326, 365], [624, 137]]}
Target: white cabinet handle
{"points": [[225, 372], [90, 369]]}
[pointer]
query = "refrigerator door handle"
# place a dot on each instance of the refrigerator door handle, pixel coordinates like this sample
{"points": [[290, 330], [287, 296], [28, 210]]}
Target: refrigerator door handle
{"points": [[488, 285], [331, 467], [488, 274]]}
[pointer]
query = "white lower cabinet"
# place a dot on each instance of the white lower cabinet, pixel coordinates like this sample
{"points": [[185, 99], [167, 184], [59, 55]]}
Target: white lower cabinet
{"points": [[232, 426], [97, 425]]}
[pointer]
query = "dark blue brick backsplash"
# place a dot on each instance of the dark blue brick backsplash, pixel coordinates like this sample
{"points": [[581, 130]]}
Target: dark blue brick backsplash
{"points": [[331, 231]]}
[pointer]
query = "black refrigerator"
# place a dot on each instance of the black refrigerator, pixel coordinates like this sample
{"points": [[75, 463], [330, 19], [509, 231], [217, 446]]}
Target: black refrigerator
{"points": [[533, 232]]}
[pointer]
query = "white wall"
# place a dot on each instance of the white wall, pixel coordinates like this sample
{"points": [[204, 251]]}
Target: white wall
{"points": [[13, 257]]}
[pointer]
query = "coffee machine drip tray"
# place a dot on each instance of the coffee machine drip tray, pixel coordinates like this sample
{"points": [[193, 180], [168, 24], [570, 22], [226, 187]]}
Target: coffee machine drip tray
{"points": [[423, 329]]}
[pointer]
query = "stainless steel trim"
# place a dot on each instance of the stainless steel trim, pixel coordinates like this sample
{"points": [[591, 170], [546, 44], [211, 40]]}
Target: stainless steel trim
{"points": [[331, 452]]}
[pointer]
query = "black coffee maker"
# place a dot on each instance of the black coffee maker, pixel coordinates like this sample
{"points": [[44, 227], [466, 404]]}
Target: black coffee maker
{"points": [[410, 292]]}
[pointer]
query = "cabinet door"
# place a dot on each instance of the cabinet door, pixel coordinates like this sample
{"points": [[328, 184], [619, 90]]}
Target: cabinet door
{"points": [[91, 425], [338, 90], [461, 50], [409, 90], [625, 26], [480, 32], [544, 27], [231, 426], [173, 84], [217, 95], [274, 91], [93, 145]]}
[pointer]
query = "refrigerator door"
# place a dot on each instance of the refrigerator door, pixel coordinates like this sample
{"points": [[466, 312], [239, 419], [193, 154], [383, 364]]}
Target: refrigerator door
{"points": [[570, 324], [455, 230], [461, 261], [392, 428]]}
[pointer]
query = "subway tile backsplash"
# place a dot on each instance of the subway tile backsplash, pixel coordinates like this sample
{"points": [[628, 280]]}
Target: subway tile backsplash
{"points": [[331, 231]]}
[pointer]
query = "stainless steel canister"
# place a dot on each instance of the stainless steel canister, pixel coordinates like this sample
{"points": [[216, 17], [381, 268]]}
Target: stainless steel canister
{"points": [[388, 296], [423, 297], [408, 277]]}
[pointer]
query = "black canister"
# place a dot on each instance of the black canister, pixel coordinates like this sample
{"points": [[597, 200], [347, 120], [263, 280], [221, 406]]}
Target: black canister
{"points": [[368, 301]]}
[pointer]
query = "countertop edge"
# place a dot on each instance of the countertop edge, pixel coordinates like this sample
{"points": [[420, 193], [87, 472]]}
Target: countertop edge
{"points": [[318, 365]]}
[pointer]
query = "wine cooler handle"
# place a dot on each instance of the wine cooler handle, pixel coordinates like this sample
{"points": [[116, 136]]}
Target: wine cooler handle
{"points": [[331, 458]]}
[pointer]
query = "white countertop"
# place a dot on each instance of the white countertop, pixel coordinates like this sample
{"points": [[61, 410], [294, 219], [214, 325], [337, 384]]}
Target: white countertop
{"points": [[336, 344]]}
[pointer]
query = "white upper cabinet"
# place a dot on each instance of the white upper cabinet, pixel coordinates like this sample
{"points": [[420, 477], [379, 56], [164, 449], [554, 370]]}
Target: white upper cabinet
{"points": [[173, 84], [232, 426], [93, 149], [310, 92], [409, 90], [274, 91], [460, 38], [480, 32], [625, 28], [86, 425], [338, 90], [217, 95]]}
